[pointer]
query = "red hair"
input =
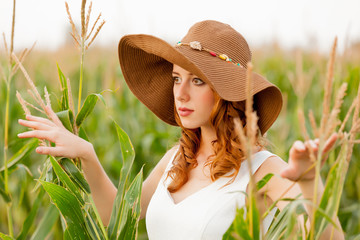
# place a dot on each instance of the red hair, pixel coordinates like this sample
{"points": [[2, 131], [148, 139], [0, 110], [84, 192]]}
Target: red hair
{"points": [[228, 152]]}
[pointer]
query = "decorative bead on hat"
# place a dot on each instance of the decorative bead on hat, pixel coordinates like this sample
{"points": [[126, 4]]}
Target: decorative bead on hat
{"points": [[197, 46]]}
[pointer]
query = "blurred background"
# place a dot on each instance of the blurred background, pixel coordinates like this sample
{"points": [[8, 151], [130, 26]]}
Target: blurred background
{"points": [[290, 41], [307, 23]]}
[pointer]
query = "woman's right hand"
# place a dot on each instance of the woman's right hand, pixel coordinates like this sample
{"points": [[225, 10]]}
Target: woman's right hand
{"points": [[67, 144]]}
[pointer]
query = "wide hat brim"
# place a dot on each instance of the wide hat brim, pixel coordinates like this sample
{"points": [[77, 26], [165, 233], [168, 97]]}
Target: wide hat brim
{"points": [[147, 61]]}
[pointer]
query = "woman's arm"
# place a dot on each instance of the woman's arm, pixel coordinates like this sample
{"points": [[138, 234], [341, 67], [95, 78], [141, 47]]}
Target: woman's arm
{"points": [[102, 189], [299, 161], [69, 145], [151, 182], [307, 189]]}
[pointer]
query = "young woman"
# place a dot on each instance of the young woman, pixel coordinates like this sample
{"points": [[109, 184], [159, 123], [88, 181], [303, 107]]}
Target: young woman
{"points": [[199, 85]]}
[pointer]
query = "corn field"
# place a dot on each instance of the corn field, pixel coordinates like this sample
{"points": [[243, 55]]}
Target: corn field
{"points": [[48, 198]]}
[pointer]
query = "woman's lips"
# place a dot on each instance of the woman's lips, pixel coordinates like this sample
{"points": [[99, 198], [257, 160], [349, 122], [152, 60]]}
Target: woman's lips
{"points": [[183, 112]]}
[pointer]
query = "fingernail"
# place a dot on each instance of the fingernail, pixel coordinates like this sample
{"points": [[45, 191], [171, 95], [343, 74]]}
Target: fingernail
{"points": [[20, 134], [39, 149], [301, 147]]}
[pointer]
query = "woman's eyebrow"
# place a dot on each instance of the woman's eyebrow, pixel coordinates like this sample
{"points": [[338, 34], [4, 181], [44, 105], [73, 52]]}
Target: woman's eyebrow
{"points": [[190, 74]]}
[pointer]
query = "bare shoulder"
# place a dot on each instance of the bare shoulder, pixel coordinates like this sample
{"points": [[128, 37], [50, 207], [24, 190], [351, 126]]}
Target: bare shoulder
{"points": [[272, 164], [276, 185], [151, 182]]}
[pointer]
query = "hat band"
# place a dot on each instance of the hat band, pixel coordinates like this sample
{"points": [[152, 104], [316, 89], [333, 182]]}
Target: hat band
{"points": [[197, 46]]}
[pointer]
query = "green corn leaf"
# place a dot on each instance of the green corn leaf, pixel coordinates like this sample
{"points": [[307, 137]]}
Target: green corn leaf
{"points": [[332, 192], [131, 209], [6, 197], [238, 228], [22, 153], [64, 103], [73, 233], [5, 237], [66, 117], [255, 215], [88, 107], [50, 174], [23, 173], [357, 237], [70, 209], [83, 134], [260, 184], [281, 223], [75, 174], [292, 221], [43, 174], [93, 229], [128, 155], [64, 178], [322, 213], [46, 224], [126, 222], [31, 216]]}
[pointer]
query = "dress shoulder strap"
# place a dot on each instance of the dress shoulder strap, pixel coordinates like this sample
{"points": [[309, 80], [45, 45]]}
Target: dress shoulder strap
{"points": [[259, 158], [168, 166], [170, 163]]}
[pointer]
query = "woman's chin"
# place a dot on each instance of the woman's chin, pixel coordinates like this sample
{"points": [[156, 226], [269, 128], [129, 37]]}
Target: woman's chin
{"points": [[189, 125]]}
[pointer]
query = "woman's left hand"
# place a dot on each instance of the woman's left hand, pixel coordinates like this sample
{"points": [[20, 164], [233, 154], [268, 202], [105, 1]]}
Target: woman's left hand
{"points": [[300, 161]]}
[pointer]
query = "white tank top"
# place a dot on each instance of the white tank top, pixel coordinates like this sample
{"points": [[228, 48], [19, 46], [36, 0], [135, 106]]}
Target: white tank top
{"points": [[205, 214]]}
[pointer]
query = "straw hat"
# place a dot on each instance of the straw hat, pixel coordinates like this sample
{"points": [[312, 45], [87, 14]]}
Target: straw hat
{"points": [[213, 51]]}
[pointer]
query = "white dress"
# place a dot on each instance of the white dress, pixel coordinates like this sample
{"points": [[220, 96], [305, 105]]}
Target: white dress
{"points": [[205, 214]]}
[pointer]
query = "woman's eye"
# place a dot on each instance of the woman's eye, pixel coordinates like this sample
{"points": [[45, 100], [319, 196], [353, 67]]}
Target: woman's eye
{"points": [[198, 81], [176, 79]]}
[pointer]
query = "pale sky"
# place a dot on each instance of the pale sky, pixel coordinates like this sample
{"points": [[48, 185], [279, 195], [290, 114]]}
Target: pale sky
{"points": [[305, 23]]}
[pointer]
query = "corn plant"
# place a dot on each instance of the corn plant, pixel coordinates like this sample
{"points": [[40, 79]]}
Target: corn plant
{"points": [[7, 74], [62, 178]]}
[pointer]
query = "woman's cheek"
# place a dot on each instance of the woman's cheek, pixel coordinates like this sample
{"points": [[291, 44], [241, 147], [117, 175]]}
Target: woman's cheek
{"points": [[208, 99]]}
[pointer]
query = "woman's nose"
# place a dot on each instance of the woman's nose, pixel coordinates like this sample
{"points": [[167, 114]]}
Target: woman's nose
{"points": [[181, 92]]}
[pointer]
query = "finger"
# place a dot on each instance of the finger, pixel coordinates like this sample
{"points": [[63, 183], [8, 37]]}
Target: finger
{"points": [[40, 119], [53, 151], [40, 134], [330, 142], [53, 116], [328, 145], [289, 173], [34, 125], [311, 144], [299, 146], [311, 150]]}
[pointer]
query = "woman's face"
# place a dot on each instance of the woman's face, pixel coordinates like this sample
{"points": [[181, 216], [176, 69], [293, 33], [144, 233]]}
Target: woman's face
{"points": [[194, 99]]}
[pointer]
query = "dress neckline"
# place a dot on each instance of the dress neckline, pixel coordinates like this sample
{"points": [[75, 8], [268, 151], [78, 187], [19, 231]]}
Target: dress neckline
{"points": [[200, 191], [192, 195]]}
